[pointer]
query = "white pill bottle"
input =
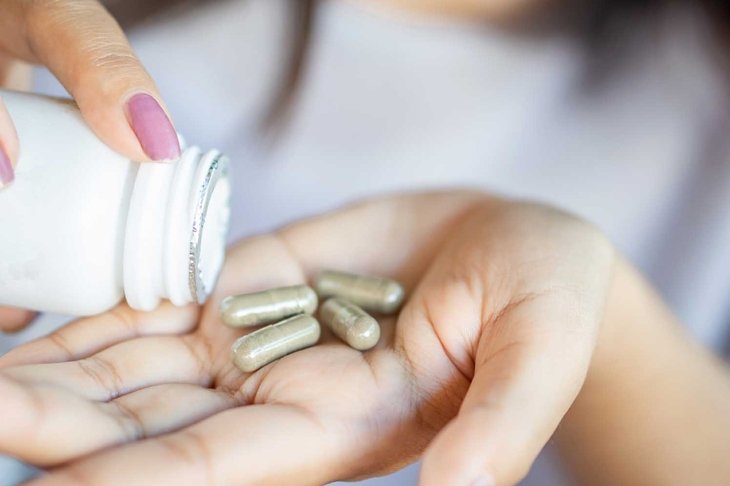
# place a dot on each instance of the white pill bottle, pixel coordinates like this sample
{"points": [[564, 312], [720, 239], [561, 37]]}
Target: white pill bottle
{"points": [[83, 228]]}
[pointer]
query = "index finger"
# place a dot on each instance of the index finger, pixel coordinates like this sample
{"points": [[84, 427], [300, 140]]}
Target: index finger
{"points": [[256, 444], [84, 47]]}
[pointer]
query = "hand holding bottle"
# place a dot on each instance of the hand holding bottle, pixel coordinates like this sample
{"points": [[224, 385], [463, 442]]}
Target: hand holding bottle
{"points": [[85, 48]]}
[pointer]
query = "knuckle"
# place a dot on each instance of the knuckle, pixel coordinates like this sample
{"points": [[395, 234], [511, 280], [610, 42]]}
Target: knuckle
{"points": [[59, 341], [130, 421], [201, 354], [192, 452], [126, 319], [104, 373], [111, 65], [113, 57]]}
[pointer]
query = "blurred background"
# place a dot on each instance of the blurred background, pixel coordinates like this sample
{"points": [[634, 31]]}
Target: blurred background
{"points": [[617, 111]]}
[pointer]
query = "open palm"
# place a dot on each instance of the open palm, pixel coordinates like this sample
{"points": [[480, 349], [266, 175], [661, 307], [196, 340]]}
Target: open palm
{"points": [[488, 353]]}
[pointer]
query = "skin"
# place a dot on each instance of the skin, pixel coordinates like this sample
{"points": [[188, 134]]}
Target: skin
{"points": [[655, 408], [510, 306], [84, 47]]}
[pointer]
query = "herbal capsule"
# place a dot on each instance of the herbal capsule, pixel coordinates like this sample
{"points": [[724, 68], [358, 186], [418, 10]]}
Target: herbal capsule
{"points": [[371, 293], [261, 347], [268, 306], [350, 323]]}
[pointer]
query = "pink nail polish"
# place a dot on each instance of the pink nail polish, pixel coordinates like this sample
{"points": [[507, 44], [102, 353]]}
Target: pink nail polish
{"points": [[7, 174], [152, 127]]}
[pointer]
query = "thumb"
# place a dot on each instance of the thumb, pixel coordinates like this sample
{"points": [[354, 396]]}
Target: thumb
{"points": [[527, 374]]}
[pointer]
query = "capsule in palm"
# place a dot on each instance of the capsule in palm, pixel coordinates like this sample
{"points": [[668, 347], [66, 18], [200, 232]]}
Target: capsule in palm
{"points": [[261, 347], [350, 323], [268, 306], [373, 294]]}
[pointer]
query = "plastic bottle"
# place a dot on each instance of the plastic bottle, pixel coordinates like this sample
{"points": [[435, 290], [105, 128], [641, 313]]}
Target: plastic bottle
{"points": [[82, 227]]}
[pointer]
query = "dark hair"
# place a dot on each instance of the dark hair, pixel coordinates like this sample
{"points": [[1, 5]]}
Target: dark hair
{"points": [[601, 20]]}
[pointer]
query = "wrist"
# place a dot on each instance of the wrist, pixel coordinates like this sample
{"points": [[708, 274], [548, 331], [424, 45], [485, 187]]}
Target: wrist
{"points": [[622, 350]]}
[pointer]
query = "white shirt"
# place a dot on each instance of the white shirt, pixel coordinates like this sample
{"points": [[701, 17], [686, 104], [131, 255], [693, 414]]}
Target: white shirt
{"points": [[393, 103]]}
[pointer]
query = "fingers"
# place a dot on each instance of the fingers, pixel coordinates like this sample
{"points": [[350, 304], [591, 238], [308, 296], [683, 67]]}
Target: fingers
{"points": [[258, 444], [530, 363], [86, 49], [123, 368], [509, 413], [46, 425], [528, 370], [8, 147], [518, 316], [13, 320], [387, 237], [165, 408], [84, 337]]}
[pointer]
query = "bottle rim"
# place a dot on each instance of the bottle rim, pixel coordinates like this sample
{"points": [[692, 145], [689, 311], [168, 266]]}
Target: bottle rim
{"points": [[202, 278], [176, 230]]}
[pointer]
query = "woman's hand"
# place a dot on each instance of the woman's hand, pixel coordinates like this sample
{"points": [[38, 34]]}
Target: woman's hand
{"points": [[85, 48], [478, 369]]}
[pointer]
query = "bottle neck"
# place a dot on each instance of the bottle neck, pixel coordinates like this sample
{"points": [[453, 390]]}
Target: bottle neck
{"points": [[176, 230]]}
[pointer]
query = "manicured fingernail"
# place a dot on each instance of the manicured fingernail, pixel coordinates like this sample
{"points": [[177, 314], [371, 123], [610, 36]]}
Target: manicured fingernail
{"points": [[7, 174], [483, 481], [152, 127]]}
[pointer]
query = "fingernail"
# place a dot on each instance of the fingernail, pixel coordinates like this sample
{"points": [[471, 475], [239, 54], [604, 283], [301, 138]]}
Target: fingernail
{"points": [[7, 174], [152, 127], [483, 481]]}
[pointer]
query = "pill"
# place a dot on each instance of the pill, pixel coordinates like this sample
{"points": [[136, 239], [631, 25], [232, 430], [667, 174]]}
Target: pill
{"points": [[261, 347], [267, 306], [371, 293], [350, 323]]}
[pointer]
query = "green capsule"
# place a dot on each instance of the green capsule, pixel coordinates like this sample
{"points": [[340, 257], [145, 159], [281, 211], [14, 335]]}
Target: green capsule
{"points": [[373, 294], [350, 323], [261, 347], [267, 306]]}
